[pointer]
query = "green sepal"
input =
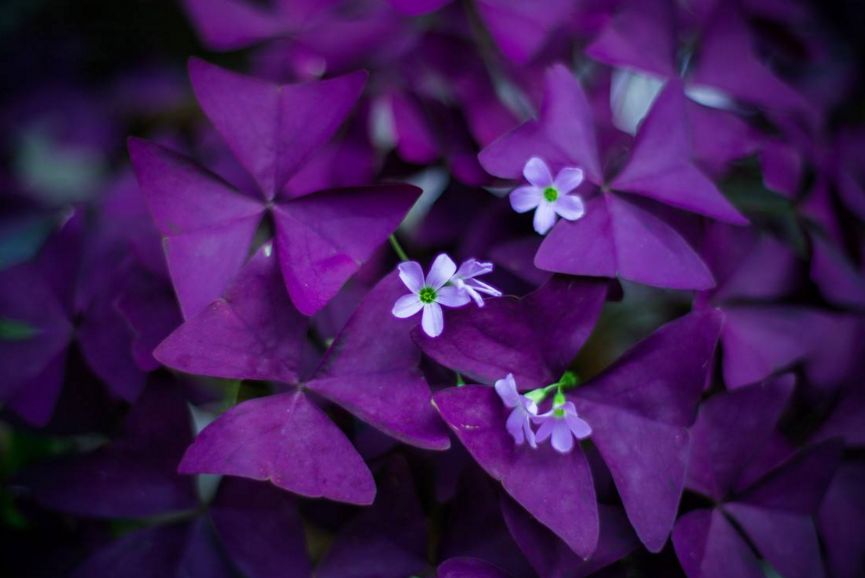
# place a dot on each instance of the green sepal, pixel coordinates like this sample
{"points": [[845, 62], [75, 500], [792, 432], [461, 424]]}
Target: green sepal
{"points": [[559, 400]]}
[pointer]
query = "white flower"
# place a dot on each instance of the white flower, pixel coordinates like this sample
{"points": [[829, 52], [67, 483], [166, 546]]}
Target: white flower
{"points": [[429, 294], [548, 196], [464, 279], [562, 425], [524, 410]]}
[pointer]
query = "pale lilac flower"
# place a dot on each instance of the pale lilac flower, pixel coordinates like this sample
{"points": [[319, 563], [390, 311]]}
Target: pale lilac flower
{"points": [[562, 424], [519, 423], [429, 294], [464, 279], [548, 196]]}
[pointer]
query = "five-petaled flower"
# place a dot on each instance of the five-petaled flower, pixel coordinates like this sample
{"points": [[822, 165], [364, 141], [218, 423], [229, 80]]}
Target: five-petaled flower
{"points": [[547, 195], [519, 423], [444, 285], [430, 293], [465, 279], [561, 424]]}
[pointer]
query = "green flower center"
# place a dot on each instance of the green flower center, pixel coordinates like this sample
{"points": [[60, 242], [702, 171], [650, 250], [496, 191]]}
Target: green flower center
{"points": [[559, 412], [551, 194], [427, 295]]}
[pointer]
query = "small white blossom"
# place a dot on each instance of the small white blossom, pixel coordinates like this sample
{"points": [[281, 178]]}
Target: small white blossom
{"points": [[519, 423], [562, 424], [430, 293], [548, 196], [465, 280]]}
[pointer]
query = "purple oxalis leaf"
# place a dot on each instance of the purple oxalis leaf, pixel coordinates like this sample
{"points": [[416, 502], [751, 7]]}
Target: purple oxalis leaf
{"points": [[641, 35], [617, 235], [371, 369], [323, 239], [388, 540], [173, 551], [27, 299], [287, 440], [200, 216], [519, 29], [726, 60], [260, 529], [252, 332], [639, 411], [777, 512], [534, 338], [132, 476], [736, 428], [551, 557], [271, 129], [563, 135], [708, 546], [465, 567], [627, 238], [842, 509], [730, 430], [660, 165], [774, 511], [477, 416], [35, 400], [63, 301]]}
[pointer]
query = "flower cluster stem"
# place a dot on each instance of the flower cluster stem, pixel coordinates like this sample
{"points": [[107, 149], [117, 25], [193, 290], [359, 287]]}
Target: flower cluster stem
{"points": [[400, 252], [569, 380]]}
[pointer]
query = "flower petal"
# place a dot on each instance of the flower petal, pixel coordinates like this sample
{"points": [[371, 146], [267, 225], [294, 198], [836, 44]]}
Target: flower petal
{"points": [[474, 268], [516, 424], [470, 291], [570, 207], [443, 268], [568, 179], [529, 433], [482, 287], [451, 296], [524, 199], [433, 322], [578, 426], [507, 390], [562, 441], [548, 424], [545, 218], [406, 306], [411, 274], [537, 173]]}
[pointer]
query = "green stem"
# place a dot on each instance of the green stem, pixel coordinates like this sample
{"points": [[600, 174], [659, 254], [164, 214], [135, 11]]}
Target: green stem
{"points": [[460, 381], [400, 252], [568, 380]]}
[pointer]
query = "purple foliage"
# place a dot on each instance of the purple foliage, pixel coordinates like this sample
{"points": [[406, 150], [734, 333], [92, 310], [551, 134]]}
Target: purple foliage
{"points": [[417, 288]]}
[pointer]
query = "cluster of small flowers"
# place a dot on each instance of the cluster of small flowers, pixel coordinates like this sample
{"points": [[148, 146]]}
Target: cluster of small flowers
{"points": [[560, 424], [444, 285]]}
